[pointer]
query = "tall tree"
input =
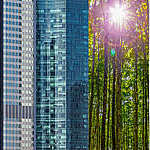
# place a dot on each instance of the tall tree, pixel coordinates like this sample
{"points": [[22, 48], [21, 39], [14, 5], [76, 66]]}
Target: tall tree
{"points": [[108, 104], [136, 103], [98, 99], [92, 92], [113, 104], [143, 120], [146, 107], [126, 127], [105, 84], [118, 98]]}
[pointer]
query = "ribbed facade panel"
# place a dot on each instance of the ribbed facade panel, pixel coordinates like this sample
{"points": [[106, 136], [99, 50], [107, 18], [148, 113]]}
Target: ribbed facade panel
{"points": [[1, 74], [18, 75]]}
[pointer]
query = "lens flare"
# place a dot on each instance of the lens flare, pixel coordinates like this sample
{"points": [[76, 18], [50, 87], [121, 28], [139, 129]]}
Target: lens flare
{"points": [[118, 15]]}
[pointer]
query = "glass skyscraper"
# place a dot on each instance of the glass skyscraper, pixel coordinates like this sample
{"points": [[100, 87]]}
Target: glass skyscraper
{"points": [[62, 75], [44, 75]]}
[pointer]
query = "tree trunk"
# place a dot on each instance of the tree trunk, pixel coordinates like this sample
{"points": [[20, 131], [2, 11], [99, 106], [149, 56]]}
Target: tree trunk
{"points": [[105, 92], [113, 104], [146, 122], [98, 99], [92, 85], [118, 100], [124, 131], [108, 107], [92, 93], [143, 105], [128, 137], [136, 104]]}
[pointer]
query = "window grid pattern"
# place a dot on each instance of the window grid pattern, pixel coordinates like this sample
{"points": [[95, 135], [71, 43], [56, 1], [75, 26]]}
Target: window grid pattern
{"points": [[77, 74], [51, 75], [16, 121], [62, 75]]}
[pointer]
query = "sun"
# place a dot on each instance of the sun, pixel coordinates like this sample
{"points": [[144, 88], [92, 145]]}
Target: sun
{"points": [[117, 16]]}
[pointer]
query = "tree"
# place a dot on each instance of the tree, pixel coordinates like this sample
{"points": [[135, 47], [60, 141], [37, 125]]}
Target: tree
{"points": [[118, 83]]}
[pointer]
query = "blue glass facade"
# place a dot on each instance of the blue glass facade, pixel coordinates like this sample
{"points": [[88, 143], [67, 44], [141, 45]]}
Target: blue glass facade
{"points": [[51, 75], [77, 74], [62, 75]]}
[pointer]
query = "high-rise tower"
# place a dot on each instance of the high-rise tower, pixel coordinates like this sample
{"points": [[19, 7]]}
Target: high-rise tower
{"points": [[62, 75], [16, 74], [43, 100]]}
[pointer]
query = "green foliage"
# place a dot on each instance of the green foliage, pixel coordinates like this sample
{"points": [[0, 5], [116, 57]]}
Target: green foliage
{"points": [[134, 61]]}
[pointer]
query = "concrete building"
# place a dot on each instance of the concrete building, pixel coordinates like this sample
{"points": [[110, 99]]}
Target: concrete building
{"points": [[17, 74]]}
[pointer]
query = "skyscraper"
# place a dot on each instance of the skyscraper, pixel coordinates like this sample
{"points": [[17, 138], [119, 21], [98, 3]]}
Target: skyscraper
{"points": [[62, 74], [16, 74], [43, 75]]}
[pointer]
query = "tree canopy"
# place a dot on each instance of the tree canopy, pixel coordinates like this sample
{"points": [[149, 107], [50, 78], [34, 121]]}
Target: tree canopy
{"points": [[118, 76]]}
